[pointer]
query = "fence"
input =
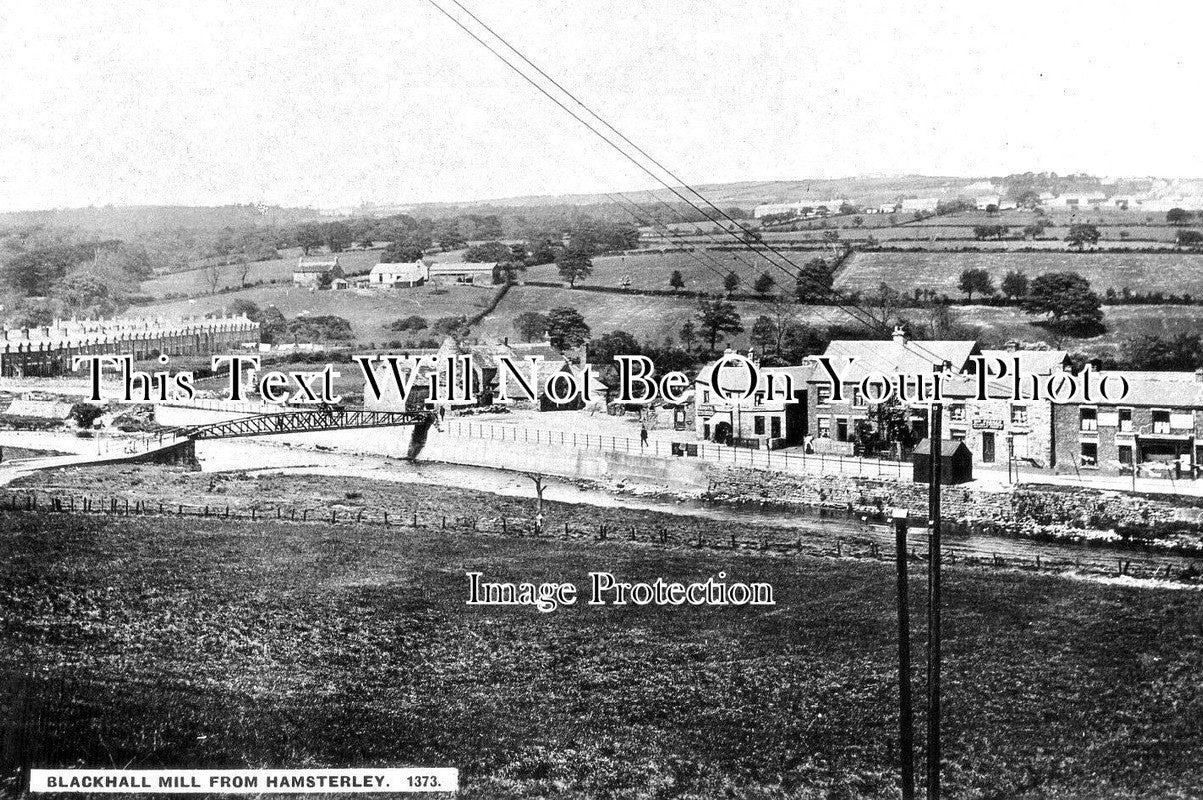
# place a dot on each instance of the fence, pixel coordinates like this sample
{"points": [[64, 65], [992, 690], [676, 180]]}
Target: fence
{"points": [[817, 463], [869, 541]]}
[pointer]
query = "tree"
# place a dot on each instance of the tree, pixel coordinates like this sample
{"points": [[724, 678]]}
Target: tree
{"points": [[400, 252], [716, 316], [1189, 238], [1178, 216], [1034, 230], [615, 343], [1082, 234], [1014, 284], [338, 236], [1068, 299], [676, 281], [1148, 351], [574, 264], [212, 273], [530, 325], [976, 280], [325, 280], [489, 252], [858, 221], [688, 335], [764, 284], [566, 328], [244, 270], [731, 282], [764, 333], [309, 236], [814, 281]]}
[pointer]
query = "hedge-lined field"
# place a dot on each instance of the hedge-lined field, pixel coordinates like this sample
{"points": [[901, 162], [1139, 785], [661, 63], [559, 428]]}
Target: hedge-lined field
{"points": [[1140, 272]]}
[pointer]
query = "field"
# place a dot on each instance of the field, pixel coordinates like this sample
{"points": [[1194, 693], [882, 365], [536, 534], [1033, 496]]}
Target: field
{"points": [[151, 642], [195, 282], [1176, 273]]}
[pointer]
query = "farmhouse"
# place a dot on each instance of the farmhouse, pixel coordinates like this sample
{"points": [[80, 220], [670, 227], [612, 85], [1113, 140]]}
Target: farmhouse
{"points": [[310, 269], [920, 204], [799, 207], [394, 276], [759, 422], [462, 272]]}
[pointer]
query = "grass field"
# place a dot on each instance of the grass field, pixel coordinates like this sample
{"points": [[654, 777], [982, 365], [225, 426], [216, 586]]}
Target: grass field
{"points": [[151, 642], [1176, 273]]}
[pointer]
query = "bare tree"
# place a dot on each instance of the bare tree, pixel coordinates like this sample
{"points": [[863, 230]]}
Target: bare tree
{"points": [[244, 270], [540, 485], [213, 274]]}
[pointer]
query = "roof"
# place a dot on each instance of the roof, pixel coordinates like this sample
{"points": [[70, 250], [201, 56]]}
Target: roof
{"points": [[1159, 389], [316, 264], [948, 447], [736, 377], [439, 268], [854, 359], [1032, 362]]}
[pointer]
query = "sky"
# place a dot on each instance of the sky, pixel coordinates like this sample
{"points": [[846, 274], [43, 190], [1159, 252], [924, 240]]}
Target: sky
{"points": [[331, 104]]}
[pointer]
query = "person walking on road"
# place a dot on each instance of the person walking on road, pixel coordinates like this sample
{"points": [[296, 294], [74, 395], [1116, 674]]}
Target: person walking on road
{"points": [[643, 436]]}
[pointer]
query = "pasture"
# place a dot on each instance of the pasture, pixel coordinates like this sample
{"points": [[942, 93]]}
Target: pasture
{"points": [[1176, 272], [164, 642]]}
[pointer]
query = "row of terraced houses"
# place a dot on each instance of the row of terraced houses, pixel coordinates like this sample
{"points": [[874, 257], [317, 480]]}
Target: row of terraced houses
{"points": [[1156, 429]]}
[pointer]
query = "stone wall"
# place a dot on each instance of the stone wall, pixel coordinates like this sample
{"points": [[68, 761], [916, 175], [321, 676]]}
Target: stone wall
{"points": [[1079, 507]]}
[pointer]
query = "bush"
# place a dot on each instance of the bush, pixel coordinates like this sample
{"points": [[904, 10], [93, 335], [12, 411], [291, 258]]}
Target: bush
{"points": [[410, 323]]}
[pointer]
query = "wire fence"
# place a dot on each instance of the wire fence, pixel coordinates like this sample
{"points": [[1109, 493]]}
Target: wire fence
{"points": [[860, 544], [774, 460]]}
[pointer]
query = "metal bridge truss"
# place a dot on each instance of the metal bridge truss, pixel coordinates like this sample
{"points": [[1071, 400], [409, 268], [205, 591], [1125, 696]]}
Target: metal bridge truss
{"points": [[317, 419]]}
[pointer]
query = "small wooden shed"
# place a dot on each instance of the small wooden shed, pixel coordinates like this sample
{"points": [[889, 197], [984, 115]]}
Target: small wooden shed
{"points": [[956, 462]]}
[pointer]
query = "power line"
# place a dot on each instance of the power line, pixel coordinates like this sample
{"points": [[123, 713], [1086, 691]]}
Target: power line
{"points": [[852, 310]]}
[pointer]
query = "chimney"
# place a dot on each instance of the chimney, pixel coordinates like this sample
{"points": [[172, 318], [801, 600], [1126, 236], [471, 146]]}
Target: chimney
{"points": [[1012, 345], [899, 335]]}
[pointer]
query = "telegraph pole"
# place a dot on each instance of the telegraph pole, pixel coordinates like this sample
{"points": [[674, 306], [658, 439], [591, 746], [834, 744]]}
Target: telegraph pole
{"points": [[906, 733], [933, 606]]}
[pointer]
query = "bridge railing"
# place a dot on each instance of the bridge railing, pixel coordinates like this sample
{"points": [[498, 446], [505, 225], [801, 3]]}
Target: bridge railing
{"points": [[774, 460]]}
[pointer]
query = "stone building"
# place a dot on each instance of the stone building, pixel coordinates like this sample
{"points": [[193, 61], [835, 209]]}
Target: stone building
{"points": [[763, 421]]}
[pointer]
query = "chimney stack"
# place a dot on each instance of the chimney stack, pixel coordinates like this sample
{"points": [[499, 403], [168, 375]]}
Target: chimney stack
{"points": [[899, 335]]}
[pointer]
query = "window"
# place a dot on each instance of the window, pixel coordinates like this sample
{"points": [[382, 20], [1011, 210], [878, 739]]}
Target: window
{"points": [[1125, 420], [1019, 415], [758, 399], [823, 393], [841, 430], [705, 396], [825, 428], [1090, 454], [858, 399], [1089, 418], [957, 436], [1125, 454], [1161, 421], [775, 427], [956, 412], [758, 425]]}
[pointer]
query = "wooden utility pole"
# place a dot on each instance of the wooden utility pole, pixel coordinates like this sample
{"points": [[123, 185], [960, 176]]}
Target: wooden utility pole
{"points": [[933, 605], [906, 733]]}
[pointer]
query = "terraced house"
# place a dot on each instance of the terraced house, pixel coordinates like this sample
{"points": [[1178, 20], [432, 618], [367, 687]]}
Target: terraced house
{"points": [[1157, 430], [766, 420]]}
